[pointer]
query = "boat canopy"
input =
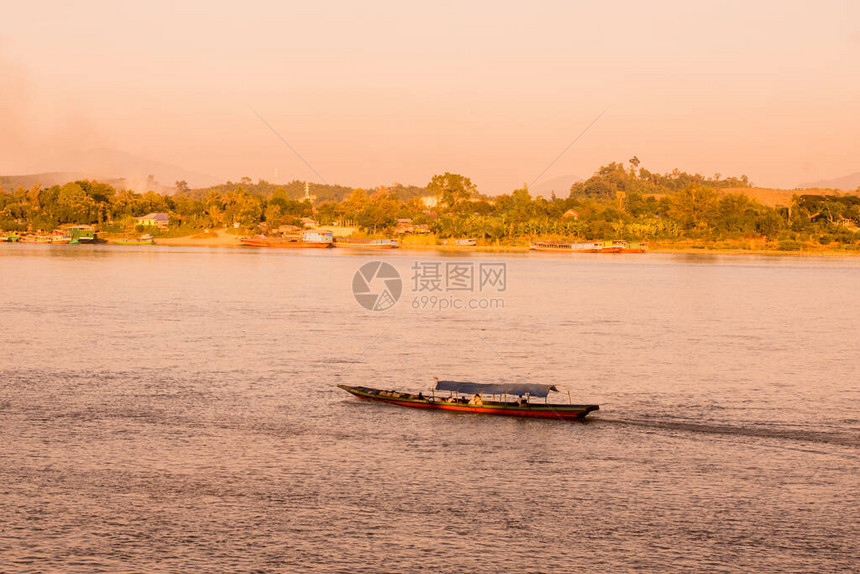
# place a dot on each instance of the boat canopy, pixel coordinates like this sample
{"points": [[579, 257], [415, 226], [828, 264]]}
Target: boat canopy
{"points": [[534, 390]]}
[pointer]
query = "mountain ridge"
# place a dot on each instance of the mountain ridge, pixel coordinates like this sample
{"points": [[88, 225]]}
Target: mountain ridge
{"points": [[850, 182]]}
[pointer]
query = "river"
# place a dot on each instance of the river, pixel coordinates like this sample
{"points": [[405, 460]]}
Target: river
{"points": [[175, 409]]}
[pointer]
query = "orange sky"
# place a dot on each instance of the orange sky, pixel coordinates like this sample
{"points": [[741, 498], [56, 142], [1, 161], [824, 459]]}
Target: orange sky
{"points": [[382, 91]]}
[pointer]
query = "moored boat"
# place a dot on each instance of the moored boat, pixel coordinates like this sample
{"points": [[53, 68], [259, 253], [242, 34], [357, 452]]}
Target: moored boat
{"points": [[307, 239], [628, 247], [480, 401], [615, 246], [81, 234], [463, 242], [35, 239], [366, 243], [567, 246], [142, 240]]}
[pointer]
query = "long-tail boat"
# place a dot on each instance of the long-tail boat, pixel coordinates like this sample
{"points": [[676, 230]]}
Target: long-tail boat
{"points": [[366, 243], [614, 246], [142, 240], [463, 242], [512, 400], [570, 247], [35, 239]]}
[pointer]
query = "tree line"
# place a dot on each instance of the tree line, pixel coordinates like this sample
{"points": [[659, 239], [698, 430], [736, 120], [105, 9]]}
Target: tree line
{"points": [[618, 201]]}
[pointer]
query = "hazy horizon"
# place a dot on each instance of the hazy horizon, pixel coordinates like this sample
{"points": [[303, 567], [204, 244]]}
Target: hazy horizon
{"points": [[386, 92]]}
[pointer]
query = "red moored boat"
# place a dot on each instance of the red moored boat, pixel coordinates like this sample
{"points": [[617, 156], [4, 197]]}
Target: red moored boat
{"points": [[308, 239], [522, 406]]}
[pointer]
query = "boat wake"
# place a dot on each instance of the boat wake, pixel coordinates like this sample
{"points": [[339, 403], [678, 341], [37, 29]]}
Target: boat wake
{"points": [[847, 439]]}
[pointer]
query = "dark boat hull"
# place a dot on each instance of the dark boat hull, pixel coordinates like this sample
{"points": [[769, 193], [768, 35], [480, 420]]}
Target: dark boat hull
{"points": [[534, 410], [284, 244]]}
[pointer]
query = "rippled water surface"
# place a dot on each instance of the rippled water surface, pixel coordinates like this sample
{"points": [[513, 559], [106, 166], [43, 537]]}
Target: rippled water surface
{"points": [[168, 409]]}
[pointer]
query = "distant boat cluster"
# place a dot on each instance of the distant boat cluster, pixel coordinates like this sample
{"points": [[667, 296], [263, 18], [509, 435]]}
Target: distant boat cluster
{"points": [[74, 235]]}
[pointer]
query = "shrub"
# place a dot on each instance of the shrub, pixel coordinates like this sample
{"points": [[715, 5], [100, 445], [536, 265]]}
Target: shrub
{"points": [[790, 246]]}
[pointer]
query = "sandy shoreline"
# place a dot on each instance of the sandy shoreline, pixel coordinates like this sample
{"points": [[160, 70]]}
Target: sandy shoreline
{"points": [[219, 238], [213, 240]]}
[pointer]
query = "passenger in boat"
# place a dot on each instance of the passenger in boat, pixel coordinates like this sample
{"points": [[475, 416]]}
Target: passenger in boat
{"points": [[524, 401], [476, 400], [420, 396]]}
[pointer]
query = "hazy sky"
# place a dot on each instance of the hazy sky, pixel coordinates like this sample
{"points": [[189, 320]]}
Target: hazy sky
{"points": [[378, 92]]}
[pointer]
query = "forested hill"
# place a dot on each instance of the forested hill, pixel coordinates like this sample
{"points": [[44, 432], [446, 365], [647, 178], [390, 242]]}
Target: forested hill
{"points": [[295, 190], [614, 177]]}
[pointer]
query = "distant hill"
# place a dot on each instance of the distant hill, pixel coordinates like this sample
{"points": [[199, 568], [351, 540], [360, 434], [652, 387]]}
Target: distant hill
{"points": [[845, 183], [558, 185], [116, 164], [10, 183], [120, 169]]}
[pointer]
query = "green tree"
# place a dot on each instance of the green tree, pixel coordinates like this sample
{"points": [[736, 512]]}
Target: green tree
{"points": [[833, 211], [243, 208], [694, 206], [522, 208], [74, 205], [151, 202], [357, 201], [769, 224], [452, 189], [380, 212], [736, 213], [273, 215]]}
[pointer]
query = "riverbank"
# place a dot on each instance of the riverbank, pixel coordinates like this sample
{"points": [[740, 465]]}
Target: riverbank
{"points": [[226, 237], [212, 238], [742, 252], [215, 238]]}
